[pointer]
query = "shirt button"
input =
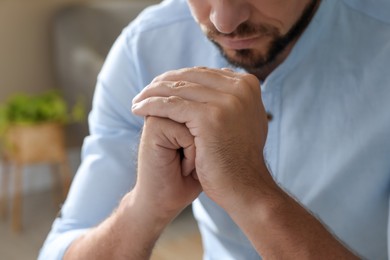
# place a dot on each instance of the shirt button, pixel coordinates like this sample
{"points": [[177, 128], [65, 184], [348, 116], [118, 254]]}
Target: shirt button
{"points": [[269, 116]]}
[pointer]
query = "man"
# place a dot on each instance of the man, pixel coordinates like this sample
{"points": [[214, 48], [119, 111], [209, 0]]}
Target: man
{"points": [[311, 94]]}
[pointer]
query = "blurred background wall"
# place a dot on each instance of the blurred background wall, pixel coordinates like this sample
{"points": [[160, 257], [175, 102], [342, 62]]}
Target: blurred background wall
{"points": [[40, 52], [47, 44], [25, 61]]}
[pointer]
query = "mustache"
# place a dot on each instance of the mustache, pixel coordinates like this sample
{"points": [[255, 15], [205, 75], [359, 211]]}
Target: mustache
{"points": [[244, 30]]}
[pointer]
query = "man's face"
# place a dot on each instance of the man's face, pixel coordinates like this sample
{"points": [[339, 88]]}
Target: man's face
{"points": [[252, 33]]}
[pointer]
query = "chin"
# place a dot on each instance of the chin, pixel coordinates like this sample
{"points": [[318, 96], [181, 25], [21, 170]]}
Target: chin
{"points": [[247, 59]]}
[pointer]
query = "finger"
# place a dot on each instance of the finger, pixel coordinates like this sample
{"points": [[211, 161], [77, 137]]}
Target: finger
{"points": [[225, 70], [173, 107], [195, 175], [184, 89], [184, 143], [213, 78], [197, 69], [223, 80], [228, 72], [176, 137], [188, 161]]}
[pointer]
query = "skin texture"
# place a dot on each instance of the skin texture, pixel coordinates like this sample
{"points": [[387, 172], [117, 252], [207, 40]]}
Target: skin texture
{"points": [[205, 129], [162, 191], [224, 101], [222, 112]]}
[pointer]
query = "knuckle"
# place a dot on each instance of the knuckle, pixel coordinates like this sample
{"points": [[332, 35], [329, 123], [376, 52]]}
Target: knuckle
{"points": [[252, 85], [177, 85], [251, 79], [172, 100]]}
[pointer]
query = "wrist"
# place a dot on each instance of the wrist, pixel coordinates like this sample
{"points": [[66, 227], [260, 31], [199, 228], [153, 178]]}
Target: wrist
{"points": [[259, 200], [143, 215], [277, 225], [255, 190], [130, 232]]}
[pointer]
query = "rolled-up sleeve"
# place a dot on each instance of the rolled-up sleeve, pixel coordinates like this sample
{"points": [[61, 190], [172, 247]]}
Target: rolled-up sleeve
{"points": [[109, 153]]}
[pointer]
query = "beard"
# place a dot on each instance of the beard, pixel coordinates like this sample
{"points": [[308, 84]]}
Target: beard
{"points": [[255, 60]]}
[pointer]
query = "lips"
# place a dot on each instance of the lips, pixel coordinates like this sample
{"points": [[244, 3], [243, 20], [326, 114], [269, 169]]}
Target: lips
{"points": [[237, 43]]}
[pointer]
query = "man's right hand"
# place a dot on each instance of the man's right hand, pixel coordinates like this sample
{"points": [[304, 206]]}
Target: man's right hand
{"points": [[165, 186], [166, 168]]}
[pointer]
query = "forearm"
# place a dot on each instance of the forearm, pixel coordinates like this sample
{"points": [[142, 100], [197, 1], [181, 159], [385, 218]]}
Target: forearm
{"points": [[129, 233], [280, 228]]}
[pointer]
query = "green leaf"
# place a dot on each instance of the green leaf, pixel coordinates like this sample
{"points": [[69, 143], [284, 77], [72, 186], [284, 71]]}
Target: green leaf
{"points": [[22, 108]]}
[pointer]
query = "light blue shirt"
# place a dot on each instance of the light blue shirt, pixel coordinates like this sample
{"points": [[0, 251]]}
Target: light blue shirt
{"points": [[328, 143]]}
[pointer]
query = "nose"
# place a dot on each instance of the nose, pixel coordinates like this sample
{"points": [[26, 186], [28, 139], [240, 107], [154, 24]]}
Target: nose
{"points": [[227, 15]]}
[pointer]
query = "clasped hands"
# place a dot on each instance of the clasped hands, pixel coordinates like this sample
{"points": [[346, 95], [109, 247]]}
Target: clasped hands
{"points": [[205, 129]]}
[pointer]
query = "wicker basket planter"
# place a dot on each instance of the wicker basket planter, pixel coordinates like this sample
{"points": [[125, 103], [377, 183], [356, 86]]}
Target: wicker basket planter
{"points": [[36, 143], [30, 144], [31, 132]]}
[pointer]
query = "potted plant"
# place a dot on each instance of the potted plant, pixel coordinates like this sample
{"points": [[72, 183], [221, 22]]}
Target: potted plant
{"points": [[32, 126], [32, 131]]}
